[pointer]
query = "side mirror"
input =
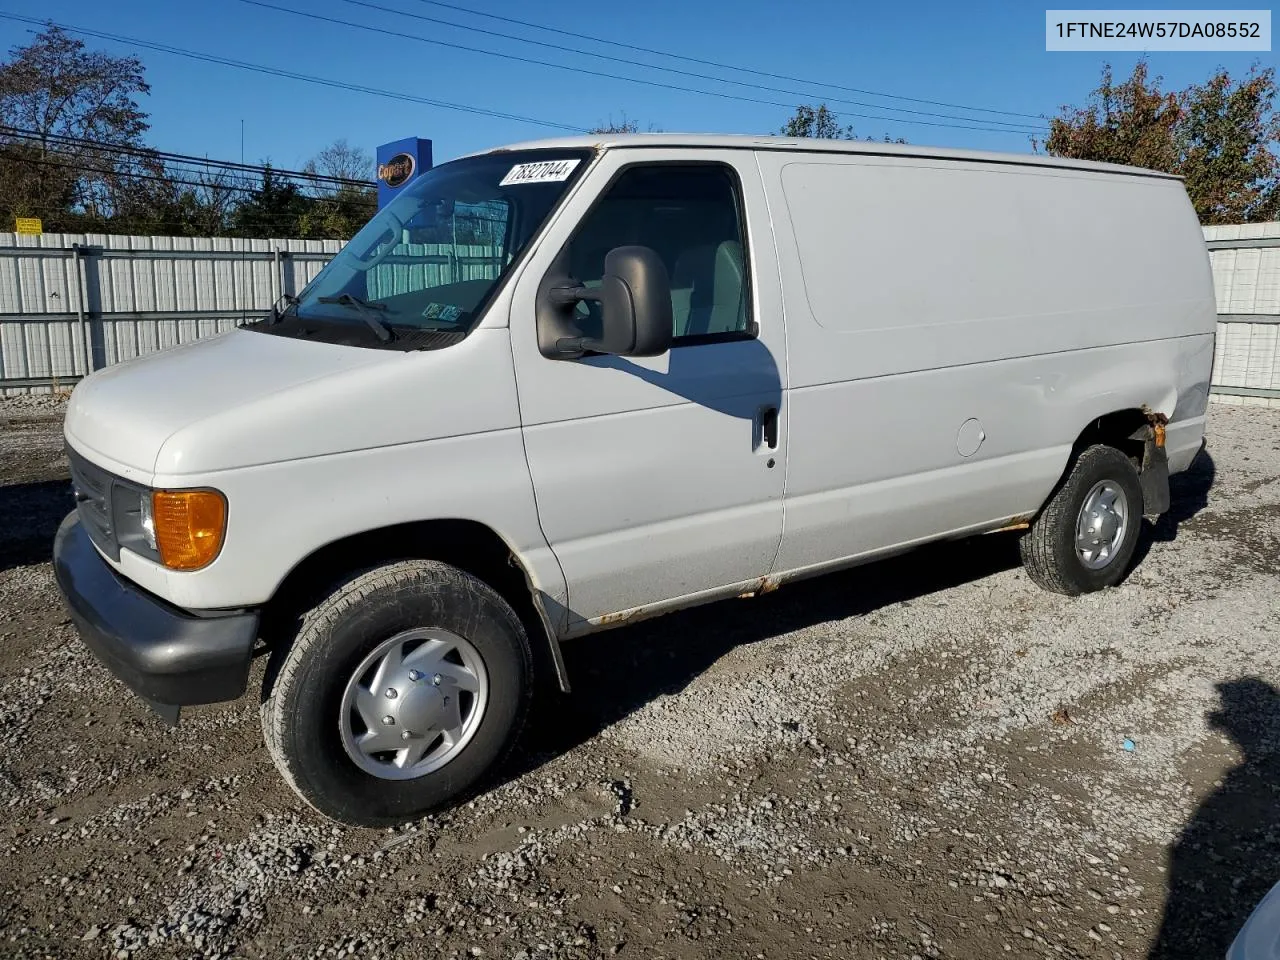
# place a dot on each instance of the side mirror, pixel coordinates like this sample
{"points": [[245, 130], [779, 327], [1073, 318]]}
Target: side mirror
{"points": [[635, 308]]}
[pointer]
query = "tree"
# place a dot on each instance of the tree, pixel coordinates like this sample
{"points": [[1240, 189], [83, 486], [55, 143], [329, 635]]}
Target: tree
{"points": [[622, 126], [342, 160], [339, 210], [194, 204], [54, 87], [1133, 122], [275, 209], [33, 184], [626, 126], [1220, 136], [339, 215], [816, 122], [1226, 143], [70, 102], [819, 122]]}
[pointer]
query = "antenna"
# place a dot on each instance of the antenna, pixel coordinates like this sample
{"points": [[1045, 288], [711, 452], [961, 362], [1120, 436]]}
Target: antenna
{"points": [[245, 294]]}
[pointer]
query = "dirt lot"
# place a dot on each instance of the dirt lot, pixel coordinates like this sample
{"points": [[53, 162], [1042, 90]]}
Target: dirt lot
{"points": [[921, 758]]}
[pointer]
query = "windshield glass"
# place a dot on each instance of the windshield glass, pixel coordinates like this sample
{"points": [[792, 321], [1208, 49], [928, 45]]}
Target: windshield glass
{"points": [[420, 273]]}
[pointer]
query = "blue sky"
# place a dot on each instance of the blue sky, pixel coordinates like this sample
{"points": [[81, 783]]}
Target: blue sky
{"points": [[976, 54]]}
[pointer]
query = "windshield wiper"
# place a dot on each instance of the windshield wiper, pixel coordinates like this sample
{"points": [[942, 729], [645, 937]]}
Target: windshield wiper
{"points": [[276, 315], [369, 311]]}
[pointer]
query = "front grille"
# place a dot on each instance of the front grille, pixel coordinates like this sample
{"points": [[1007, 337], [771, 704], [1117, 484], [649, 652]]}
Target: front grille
{"points": [[92, 487]]}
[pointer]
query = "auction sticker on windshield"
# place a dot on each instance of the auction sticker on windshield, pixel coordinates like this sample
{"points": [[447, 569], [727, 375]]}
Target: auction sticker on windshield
{"points": [[545, 171]]}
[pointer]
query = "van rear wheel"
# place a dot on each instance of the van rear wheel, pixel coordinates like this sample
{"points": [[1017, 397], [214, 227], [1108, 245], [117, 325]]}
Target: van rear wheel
{"points": [[1084, 538], [400, 692]]}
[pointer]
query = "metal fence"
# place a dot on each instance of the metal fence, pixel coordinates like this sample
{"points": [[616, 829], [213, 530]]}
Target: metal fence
{"points": [[71, 304], [1246, 276]]}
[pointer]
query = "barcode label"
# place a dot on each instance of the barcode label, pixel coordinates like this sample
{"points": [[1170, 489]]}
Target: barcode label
{"points": [[545, 171]]}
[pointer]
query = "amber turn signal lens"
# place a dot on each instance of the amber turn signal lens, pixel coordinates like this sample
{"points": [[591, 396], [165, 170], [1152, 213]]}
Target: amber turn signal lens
{"points": [[190, 525]]}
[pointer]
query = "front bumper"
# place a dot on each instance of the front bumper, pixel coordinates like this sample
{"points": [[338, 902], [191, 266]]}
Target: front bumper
{"points": [[170, 657]]}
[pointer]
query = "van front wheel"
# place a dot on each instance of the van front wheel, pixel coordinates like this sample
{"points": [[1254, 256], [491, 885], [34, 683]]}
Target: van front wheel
{"points": [[401, 691], [1084, 538]]}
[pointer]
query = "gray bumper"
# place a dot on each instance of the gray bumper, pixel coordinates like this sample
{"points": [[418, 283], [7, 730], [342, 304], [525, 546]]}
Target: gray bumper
{"points": [[169, 657]]}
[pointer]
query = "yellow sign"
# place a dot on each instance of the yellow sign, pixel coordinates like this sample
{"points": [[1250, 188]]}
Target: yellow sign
{"points": [[31, 225]]}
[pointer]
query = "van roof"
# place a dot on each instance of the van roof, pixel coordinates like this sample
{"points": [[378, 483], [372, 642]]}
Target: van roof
{"points": [[813, 145]]}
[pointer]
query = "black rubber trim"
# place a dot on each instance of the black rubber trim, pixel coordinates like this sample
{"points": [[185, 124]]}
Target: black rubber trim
{"points": [[168, 656], [1154, 479]]}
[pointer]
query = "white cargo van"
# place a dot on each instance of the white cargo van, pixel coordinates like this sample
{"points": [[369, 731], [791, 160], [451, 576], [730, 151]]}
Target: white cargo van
{"points": [[561, 386]]}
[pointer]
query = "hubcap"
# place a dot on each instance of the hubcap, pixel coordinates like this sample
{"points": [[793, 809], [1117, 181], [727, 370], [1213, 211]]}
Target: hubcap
{"points": [[413, 704], [1102, 524]]}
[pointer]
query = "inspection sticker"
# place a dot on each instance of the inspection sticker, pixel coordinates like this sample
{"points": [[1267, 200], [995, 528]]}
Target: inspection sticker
{"points": [[545, 171], [447, 312]]}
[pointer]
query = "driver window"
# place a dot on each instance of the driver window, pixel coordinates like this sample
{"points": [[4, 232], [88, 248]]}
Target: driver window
{"points": [[689, 215]]}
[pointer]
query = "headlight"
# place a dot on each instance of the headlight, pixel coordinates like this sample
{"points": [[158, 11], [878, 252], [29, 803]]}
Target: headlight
{"points": [[132, 520], [189, 526], [181, 529], [148, 521]]}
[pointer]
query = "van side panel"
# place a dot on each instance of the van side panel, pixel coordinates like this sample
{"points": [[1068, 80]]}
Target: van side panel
{"points": [[915, 265], [935, 305]]}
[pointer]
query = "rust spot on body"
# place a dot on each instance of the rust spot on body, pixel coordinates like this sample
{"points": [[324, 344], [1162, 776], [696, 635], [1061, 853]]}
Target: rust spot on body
{"points": [[1017, 523], [762, 586], [1154, 417], [622, 616]]}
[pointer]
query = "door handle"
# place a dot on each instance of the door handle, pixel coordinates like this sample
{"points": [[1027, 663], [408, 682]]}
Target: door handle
{"points": [[769, 427]]}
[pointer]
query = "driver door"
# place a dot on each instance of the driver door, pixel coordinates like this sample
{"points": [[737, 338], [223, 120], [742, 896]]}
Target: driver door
{"points": [[661, 478]]}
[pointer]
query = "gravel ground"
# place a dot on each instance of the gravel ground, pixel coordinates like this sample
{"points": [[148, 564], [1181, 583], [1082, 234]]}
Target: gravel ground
{"points": [[927, 757]]}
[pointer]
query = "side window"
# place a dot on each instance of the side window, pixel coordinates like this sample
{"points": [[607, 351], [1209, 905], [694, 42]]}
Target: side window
{"points": [[689, 215]]}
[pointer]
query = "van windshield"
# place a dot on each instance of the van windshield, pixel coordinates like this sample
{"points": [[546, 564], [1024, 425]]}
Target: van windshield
{"points": [[421, 272]]}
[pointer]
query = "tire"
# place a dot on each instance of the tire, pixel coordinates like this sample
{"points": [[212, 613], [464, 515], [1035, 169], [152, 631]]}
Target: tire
{"points": [[1049, 549], [314, 736]]}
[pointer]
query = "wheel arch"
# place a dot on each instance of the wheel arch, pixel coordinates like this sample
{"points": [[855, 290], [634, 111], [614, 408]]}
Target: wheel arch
{"points": [[1115, 429], [1133, 431], [469, 545]]}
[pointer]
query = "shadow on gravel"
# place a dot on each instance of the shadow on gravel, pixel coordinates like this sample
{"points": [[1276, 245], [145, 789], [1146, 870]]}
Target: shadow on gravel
{"points": [[1189, 494], [616, 672], [1228, 855], [29, 517]]}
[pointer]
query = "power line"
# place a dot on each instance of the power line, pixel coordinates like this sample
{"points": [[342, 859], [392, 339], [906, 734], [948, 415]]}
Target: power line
{"points": [[578, 35], [148, 153], [83, 169], [563, 48], [132, 174], [600, 73], [292, 75], [134, 217], [169, 178], [228, 165]]}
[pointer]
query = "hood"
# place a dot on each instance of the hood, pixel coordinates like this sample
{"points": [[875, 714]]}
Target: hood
{"points": [[127, 411], [246, 398]]}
